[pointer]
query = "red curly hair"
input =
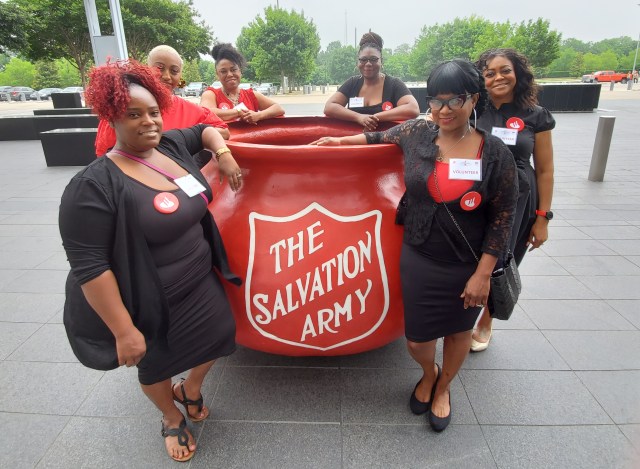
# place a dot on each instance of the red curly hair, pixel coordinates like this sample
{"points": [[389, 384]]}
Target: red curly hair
{"points": [[108, 89]]}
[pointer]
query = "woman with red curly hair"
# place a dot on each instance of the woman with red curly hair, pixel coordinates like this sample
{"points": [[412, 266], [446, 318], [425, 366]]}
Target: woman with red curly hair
{"points": [[142, 246], [179, 114]]}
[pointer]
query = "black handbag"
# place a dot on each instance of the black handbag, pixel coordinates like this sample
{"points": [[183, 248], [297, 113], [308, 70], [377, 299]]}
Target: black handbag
{"points": [[505, 284]]}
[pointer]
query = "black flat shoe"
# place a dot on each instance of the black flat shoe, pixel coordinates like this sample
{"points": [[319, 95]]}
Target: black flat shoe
{"points": [[440, 423], [419, 407]]}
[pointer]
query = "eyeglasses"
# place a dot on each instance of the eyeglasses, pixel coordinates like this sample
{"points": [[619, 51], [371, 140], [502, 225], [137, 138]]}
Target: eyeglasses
{"points": [[364, 60], [453, 103]]}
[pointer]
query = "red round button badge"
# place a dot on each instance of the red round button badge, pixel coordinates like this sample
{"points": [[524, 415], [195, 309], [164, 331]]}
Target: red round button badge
{"points": [[470, 201], [386, 106], [166, 202], [515, 123]]}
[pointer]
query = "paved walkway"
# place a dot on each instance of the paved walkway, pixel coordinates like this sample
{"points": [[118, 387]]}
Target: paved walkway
{"points": [[559, 386]]}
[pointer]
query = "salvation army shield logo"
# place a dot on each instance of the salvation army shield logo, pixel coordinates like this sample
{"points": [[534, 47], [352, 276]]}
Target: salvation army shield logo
{"points": [[316, 279]]}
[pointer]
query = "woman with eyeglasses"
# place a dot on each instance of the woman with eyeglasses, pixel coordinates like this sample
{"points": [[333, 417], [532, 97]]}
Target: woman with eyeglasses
{"points": [[230, 102], [514, 115], [372, 97], [457, 212]]}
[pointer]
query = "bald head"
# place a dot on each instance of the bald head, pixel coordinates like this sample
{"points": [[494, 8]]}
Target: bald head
{"points": [[163, 50]]}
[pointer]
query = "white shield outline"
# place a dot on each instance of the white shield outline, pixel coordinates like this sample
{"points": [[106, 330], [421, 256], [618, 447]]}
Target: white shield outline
{"points": [[344, 219]]}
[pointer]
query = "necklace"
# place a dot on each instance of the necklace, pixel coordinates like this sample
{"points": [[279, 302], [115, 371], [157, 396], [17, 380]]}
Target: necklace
{"points": [[233, 100], [441, 154]]}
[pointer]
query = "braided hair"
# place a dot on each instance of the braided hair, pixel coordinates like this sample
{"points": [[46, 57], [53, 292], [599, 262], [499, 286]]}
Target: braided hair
{"points": [[372, 40], [227, 51]]}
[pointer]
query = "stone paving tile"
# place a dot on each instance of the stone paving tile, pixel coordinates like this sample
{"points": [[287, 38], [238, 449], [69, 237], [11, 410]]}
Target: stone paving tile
{"points": [[394, 355], [629, 309], [398, 446], [23, 259], [244, 356], [624, 247], [575, 315], [48, 344], [576, 247], [541, 266], [58, 261], [49, 244], [598, 350], [598, 265], [632, 432], [9, 275], [37, 281], [567, 447], [618, 392], [516, 350], [612, 232], [614, 287], [518, 398], [29, 307], [26, 437], [554, 287], [13, 335], [518, 320], [107, 442], [243, 445], [45, 388], [567, 232], [279, 394], [382, 397]]}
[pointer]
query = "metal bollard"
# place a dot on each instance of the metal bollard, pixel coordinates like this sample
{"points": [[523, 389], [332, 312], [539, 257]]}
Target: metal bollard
{"points": [[601, 148], [611, 85]]}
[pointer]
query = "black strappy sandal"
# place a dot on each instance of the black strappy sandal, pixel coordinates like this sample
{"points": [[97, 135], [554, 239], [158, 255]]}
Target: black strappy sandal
{"points": [[183, 438], [188, 402]]}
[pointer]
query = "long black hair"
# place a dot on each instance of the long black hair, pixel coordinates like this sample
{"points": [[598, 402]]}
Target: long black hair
{"points": [[458, 76]]}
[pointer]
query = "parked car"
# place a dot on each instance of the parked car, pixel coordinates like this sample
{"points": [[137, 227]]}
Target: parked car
{"points": [[266, 88], [602, 76], [74, 89], [20, 93], [45, 93], [195, 88], [4, 93]]}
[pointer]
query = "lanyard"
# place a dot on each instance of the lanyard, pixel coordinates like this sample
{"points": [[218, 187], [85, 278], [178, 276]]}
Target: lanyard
{"points": [[154, 167]]}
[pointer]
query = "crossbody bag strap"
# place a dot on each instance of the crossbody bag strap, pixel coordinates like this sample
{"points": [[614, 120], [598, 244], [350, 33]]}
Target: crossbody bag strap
{"points": [[154, 167]]}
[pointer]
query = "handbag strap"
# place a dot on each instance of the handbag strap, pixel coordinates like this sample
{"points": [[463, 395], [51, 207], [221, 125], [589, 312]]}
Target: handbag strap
{"points": [[435, 179]]}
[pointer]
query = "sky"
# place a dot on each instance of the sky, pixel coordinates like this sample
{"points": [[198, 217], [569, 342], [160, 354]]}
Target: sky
{"points": [[400, 21]]}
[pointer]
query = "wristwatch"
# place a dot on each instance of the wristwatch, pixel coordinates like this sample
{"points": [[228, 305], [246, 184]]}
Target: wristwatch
{"points": [[547, 214]]}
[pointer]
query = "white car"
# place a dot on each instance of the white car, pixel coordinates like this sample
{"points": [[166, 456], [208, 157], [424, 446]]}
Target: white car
{"points": [[266, 88]]}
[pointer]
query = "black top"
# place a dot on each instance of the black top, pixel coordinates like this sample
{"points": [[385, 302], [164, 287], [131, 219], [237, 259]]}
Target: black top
{"points": [[536, 119], [101, 230], [488, 227], [392, 90]]}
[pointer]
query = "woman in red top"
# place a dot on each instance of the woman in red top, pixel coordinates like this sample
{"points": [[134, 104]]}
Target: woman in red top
{"points": [[232, 102], [181, 114]]}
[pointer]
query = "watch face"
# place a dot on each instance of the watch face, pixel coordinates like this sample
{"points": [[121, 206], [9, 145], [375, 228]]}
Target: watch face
{"points": [[549, 215]]}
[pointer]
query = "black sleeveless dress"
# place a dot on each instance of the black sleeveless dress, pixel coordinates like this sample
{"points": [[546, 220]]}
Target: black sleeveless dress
{"points": [[201, 324]]}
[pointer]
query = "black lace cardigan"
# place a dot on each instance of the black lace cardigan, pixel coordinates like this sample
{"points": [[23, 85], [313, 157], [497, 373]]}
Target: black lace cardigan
{"points": [[488, 227]]}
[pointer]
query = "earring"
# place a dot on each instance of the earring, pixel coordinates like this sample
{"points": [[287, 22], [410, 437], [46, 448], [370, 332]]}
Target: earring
{"points": [[182, 83], [475, 119], [429, 118]]}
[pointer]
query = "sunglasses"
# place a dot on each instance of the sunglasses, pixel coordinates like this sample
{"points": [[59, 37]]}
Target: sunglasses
{"points": [[364, 60], [453, 103]]}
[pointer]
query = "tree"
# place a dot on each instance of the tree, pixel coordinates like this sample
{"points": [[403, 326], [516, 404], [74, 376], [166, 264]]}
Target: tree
{"points": [[148, 23], [282, 44], [46, 75], [18, 72], [537, 42], [190, 71], [13, 28], [62, 32], [207, 71]]}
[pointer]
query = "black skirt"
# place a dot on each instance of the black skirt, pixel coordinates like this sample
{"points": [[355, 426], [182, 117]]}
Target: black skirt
{"points": [[433, 278]]}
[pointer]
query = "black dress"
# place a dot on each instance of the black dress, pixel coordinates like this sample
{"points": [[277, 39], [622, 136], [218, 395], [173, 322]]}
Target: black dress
{"points": [[201, 326], [537, 119]]}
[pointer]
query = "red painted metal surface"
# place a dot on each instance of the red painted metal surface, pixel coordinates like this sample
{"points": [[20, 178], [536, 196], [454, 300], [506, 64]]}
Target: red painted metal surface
{"points": [[312, 234]]}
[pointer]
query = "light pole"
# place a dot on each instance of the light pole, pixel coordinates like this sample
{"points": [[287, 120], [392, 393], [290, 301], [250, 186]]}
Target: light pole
{"points": [[635, 60]]}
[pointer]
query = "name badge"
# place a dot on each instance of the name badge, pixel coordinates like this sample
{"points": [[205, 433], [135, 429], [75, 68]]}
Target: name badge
{"points": [[508, 136], [241, 106], [190, 185], [468, 170], [358, 101]]}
